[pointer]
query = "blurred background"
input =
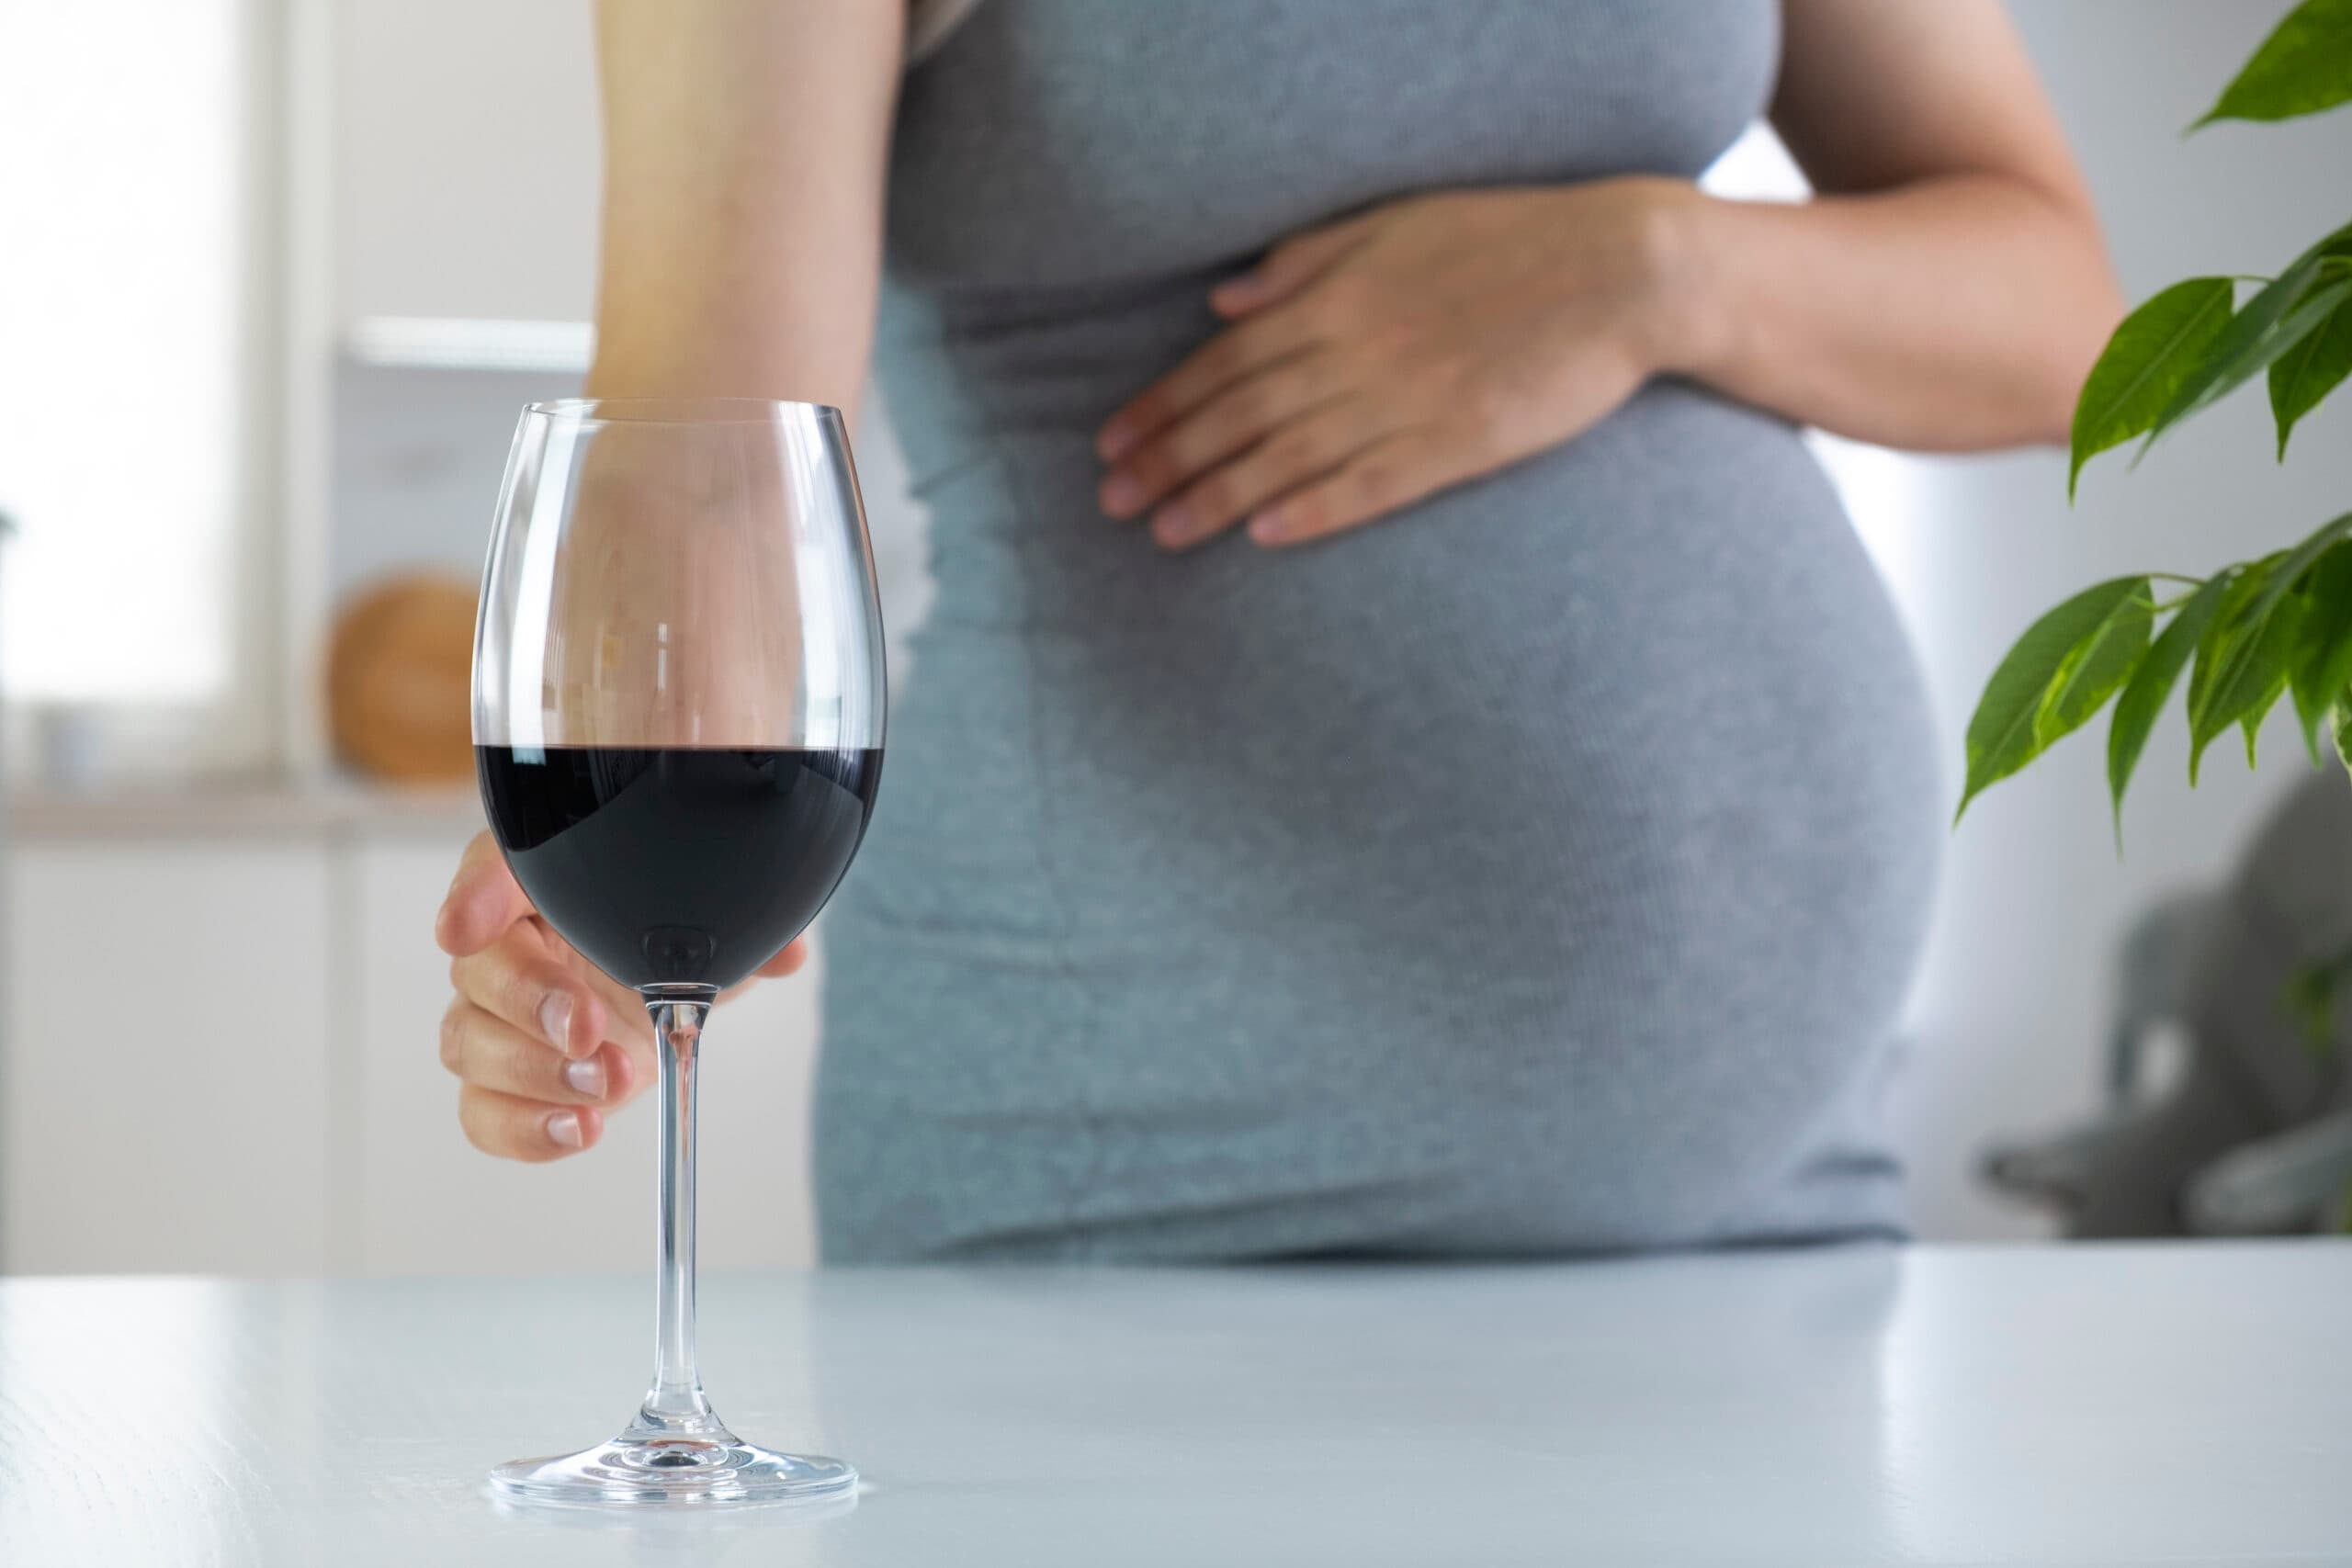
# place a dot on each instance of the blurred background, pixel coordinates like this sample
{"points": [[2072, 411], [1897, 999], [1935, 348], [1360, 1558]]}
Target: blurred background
{"points": [[277, 276]]}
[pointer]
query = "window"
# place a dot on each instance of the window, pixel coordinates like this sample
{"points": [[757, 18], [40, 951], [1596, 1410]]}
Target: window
{"points": [[136, 350]]}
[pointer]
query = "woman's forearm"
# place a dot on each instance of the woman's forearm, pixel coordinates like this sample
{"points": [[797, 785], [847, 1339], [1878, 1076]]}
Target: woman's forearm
{"points": [[1956, 313], [744, 144]]}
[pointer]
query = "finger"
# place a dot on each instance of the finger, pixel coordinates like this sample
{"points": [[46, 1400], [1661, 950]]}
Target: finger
{"points": [[1225, 424], [1289, 459], [512, 1127], [482, 901], [1217, 364], [1288, 267], [1390, 473], [484, 1049], [624, 1016], [523, 982], [789, 962]]}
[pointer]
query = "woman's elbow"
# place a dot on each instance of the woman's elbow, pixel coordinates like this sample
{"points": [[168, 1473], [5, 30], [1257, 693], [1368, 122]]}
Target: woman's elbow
{"points": [[2081, 305]]}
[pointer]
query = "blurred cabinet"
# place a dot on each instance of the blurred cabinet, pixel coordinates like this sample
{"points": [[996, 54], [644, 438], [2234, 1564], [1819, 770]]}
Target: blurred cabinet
{"points": [[164, 1071], [222, 1057]]}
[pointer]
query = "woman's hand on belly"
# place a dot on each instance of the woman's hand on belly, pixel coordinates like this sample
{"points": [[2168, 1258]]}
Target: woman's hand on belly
{"points": [[1375, 360]]}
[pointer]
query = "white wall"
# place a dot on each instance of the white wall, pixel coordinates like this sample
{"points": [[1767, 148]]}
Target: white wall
{"points": [[484, 206], [466, 159]]}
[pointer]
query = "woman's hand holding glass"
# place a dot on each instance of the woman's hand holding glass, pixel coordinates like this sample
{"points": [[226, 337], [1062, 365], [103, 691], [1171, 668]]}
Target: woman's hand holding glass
{"points": [[543, 1042]]}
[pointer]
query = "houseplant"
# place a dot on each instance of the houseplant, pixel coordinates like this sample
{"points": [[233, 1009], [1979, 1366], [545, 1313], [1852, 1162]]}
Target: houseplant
{"points": [[2254, 631]]}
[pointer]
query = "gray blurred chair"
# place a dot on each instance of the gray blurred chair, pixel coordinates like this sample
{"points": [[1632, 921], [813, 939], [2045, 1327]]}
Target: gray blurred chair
{"points": [[2253, 1135]]}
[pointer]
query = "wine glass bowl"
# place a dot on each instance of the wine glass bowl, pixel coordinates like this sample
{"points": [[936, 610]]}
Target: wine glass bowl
{"points": [[678, 727]]}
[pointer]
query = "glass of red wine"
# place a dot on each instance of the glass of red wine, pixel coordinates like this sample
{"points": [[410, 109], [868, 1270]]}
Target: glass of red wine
{"points": [[678, 715]]}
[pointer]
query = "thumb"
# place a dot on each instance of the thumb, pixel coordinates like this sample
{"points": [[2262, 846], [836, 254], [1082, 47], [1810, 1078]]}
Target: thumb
{"points": [[1287, 268], [483, 900]]}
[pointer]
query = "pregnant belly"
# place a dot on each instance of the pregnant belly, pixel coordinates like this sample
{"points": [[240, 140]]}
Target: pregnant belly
{"points": [[1594, 798]]}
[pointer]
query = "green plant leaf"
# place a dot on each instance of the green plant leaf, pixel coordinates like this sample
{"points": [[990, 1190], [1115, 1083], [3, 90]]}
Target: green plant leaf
{"points": [[2343, 730], [2243, 660], [2237, 355], [2143, 696], [2322, 667], [2094, 669], [2305, 65], [2016, 718], [2250, 721], [2245, 580], [2311, 369], [2245, 656], [2281, 314], [2285, 570], [2145, 363]]}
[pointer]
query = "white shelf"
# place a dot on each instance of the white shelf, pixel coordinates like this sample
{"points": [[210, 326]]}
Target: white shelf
{"points": [[454, 342]]}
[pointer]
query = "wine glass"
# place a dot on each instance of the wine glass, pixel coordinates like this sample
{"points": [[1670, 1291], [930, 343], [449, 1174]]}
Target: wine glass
{"points": [[678, 713]]}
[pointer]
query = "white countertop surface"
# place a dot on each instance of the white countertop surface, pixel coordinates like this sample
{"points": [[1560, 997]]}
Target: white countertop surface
{"points": [[2087, 1405]]}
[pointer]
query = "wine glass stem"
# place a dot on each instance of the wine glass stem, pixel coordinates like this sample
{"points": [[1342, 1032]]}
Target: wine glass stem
{"points": [[675, 1405]]}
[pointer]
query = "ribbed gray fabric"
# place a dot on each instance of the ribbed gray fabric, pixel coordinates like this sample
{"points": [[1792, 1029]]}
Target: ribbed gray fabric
{"points": [[1538, 871]]}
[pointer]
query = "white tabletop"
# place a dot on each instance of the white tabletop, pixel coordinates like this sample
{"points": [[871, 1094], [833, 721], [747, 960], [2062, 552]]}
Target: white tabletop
{"points": [[2086, 1406]]}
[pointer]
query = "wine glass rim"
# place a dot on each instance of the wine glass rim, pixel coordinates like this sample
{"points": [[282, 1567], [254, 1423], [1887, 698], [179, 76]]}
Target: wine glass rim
{"points": [[678, 411]]}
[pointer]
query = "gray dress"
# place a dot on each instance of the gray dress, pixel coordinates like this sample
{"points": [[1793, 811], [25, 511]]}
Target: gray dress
{"points": [[1539, 871]]}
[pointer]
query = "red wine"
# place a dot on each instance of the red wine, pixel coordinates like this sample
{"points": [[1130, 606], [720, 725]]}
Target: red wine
{"points": [[677, 865]]}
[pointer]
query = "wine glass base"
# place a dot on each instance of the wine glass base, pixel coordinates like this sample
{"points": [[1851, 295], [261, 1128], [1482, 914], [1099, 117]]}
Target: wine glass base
{"points": [[675, 1472]]}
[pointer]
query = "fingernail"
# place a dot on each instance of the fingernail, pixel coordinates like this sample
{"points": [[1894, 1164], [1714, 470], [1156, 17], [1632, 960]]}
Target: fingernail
{"points": [[555, 1020], [585, 1077], [1111, 442], [1236, 292], [563, 1130], [1174, 524], [1266, 528], [1122, 494]]}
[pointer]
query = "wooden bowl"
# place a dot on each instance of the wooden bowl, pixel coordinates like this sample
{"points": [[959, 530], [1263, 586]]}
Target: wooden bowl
{"points": [[399, 679]]}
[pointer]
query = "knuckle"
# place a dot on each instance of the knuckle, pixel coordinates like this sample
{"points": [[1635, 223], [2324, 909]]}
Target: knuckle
{"points": [[522, 993], [1457, 371], [1295, 450], [1149, 411], [1389, 341], [453, 1037], [1188, 446], [1154, 468], [1347, 297], [513, 988], [1255, 406], [1375, 479], [474, 1125], [1488, 407]]}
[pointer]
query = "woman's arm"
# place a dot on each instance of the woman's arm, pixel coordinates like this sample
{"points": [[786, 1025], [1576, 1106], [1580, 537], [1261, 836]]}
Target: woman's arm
{"points": [[1947, 289], [744, 149], [743, 153]]}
